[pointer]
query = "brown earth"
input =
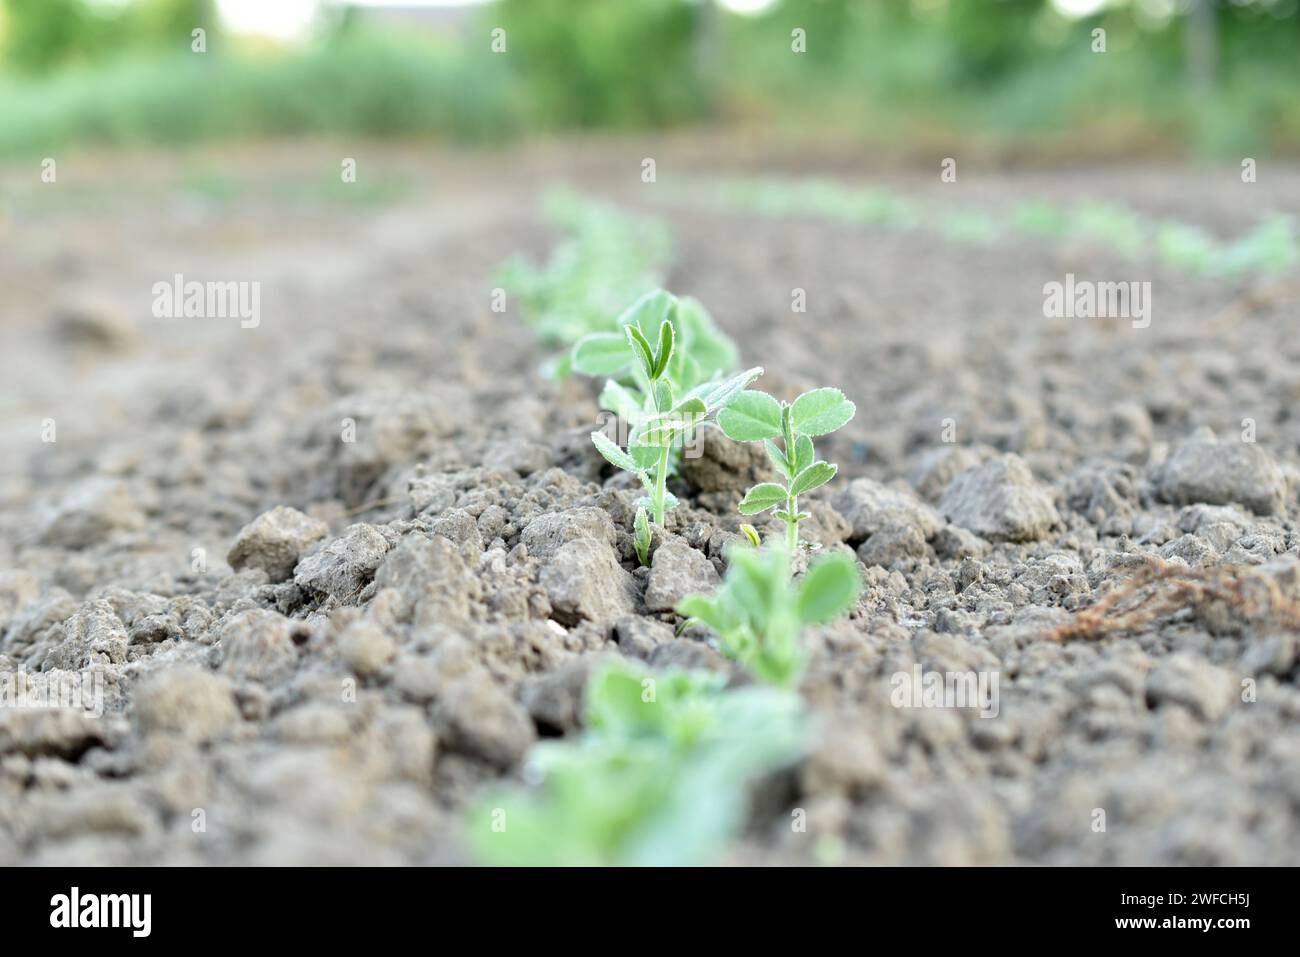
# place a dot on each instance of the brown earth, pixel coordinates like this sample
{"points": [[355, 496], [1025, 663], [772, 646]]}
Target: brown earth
{"points": [[345, 710]]}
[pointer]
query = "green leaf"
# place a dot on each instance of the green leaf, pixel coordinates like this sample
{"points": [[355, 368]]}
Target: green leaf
{"points": [[641, 538], [615, 703], [659, 430], [645, 501], [814, 476], [663, 395], [691, 405], [725, 393], [601, 353], [648, 311], [803, 454], [829, 589], [620, 400], [751, 533], [685, 371], [757, 581], [820, 411], [778, 458], [644, 456], [667, 340], [558, 367], [714, 351], [641, 349], [750, 417], [705, 609], [762, 497], [612, 453]]}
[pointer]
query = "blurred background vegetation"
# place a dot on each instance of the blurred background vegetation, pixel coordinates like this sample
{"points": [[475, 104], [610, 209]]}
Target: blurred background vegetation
{"points": [[1178, 77]]}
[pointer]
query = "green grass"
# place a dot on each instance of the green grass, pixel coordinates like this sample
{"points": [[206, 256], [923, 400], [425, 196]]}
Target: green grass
{"points": [[363, 85]]}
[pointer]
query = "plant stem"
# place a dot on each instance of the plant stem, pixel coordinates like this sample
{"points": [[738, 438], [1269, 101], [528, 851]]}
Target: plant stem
{"points": [[792, 501], [792, 526], [661, 485]]}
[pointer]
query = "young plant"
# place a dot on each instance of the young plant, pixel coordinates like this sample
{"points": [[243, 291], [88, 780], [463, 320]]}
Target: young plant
{"points": [[1110, 223], [758, 612], [755, 416], [658, 776], [607, 258], [1271, 247], [703, 353], [663, 365]]}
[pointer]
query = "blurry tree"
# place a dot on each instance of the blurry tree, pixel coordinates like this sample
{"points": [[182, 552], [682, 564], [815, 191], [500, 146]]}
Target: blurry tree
{"points": [[604, 62], [41, 34], [1202, 43], [990, 38]]}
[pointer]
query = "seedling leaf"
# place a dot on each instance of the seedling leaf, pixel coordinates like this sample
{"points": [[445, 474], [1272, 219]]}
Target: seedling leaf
{"points": [[829, 588], [723, 394], [648, 311], [814, 476], [761, 497], [750, 417], [641, 349], [659, 431], [646, 502], [645, 456], [664, 395], [667, 340], [703, 609], [803, 454], [820, 411], [612, 454], [692, 405], [778, 457], [601, 353], [641, 538], [620, 400], [713, 350]]}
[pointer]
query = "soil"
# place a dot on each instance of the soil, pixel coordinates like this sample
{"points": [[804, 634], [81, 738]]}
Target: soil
{"points": [[340, 571]]}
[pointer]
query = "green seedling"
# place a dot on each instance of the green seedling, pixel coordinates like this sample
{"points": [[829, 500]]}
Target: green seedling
{"points": [[1039, 218], [1187, 247], [1271, 247], [969, 226], [1112, 223], [658, 776], [641, 535], [702, 353], [755, 416], [803, 198], [607, 259], [758, 612], [664, 364]]}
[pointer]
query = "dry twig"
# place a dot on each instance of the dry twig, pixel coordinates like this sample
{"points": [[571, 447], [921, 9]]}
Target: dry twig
{"points": [[1220, 597]]}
